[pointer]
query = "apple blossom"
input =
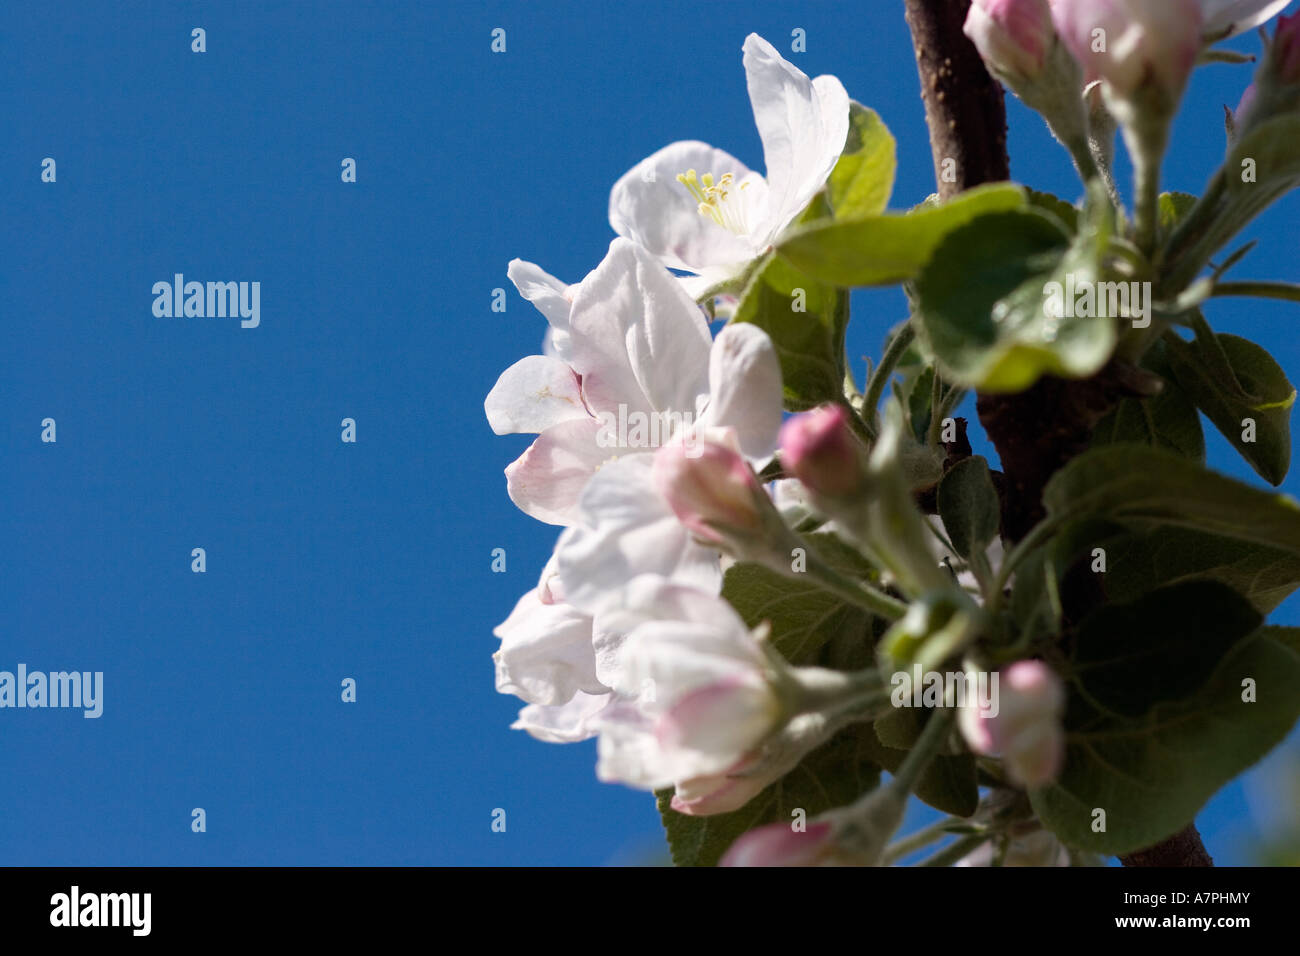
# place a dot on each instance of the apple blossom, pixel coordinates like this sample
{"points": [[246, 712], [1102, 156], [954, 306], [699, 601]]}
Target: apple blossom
{"points": [[701, 210], [635, 346], [1026, 732]]}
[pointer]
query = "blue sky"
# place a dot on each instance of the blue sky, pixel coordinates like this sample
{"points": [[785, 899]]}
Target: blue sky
{"points": [[370, 560]]}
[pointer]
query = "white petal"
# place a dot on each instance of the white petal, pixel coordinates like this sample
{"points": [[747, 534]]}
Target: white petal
{"points": [[547, 480], [626, 529], [649, 206], [638, 339], [563, 724], [552, 297], [534, 394], [745, 388], [1239, 15], [545, 655], [803, 124]]}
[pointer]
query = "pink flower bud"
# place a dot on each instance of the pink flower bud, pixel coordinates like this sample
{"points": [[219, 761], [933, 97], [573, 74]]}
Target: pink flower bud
{"points": [[1132, 43], [778, 844], [818, 449], [1022, 724], [1013, 36], [711, 489], [1242, 112], [1286, 49]]}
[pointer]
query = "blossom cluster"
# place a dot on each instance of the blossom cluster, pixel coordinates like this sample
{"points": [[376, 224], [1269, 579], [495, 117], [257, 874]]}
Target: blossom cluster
{"points": [[665, 455]]}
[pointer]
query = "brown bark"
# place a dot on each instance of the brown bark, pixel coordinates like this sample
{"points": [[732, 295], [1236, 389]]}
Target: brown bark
{"points": [[1037, 431]]}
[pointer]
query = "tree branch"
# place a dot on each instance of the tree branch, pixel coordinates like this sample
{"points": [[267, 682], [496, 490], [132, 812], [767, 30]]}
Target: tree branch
{"points": [[1037, 431]]}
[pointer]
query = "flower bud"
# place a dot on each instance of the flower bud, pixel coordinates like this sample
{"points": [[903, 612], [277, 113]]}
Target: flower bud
{"points": [[711, 489], [1132, 44], [1285, 52], [1022, 724], [819, 449], [779, 844], [1013, 36]]}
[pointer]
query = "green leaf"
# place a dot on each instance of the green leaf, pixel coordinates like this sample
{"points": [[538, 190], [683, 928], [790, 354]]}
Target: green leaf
{"points": [[1152, 775], [806, 621], [833, 775], [1144, 560], [969, 506], [806, 321], [1174, 207], [1233, 380], [863, 178], [1275, 159], [1161, 648], [1132, 484], [882, 250], [1065, 213], [982, 302], [1168, 420]]}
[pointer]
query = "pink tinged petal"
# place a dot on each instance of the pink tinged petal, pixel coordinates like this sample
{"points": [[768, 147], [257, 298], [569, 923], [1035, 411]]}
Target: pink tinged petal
{"points": [[546, 481], [778, 844], [650, 207], [723, 792], [545, 655], [532, 395], [803, 124], [625, 529], [745, 388], [563, 723], [638, 339], [1239, 15], [728, 717]]}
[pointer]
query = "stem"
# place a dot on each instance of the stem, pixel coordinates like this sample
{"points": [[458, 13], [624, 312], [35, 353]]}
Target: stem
{"points": [[880, 376], [1261, 290], [1024, 547], [927, 745], [1036, 432], [858, 593], [921, 838], [936, 400], [1146, 175], [955, 851]]}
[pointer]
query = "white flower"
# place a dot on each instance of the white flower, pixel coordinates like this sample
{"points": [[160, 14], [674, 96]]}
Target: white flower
{"points": [[634, 367], [696, 698], [701, 210]]}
